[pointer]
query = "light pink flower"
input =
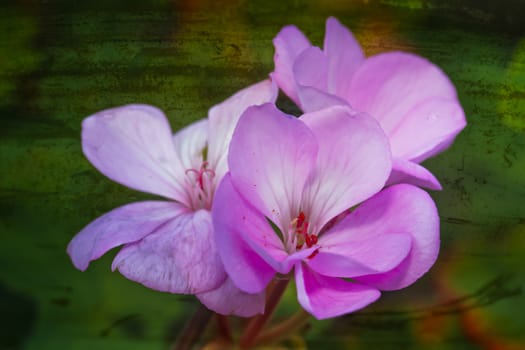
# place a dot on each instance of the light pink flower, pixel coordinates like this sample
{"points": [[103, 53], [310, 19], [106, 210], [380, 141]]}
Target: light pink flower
{"points": [[413, 100], [168, 245], [304, 175]]}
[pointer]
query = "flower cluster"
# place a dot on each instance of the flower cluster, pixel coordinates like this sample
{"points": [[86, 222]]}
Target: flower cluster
{"points": [[331, 198]]}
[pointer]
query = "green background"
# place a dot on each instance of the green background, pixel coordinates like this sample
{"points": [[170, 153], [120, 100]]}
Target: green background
{"points": [[61, 61]]}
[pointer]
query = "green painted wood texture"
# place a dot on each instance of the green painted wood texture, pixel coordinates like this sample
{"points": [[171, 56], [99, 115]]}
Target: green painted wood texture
{"points": [[61, 61]]}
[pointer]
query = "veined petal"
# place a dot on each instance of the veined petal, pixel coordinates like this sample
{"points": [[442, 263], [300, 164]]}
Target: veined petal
{"points": [[180, 257], [340, 257], [254, 230], [389, 85], [427, 129], [227, 299], [133, 145], [190, 143], [344, 56], [224, 116], [400, 209], [405, 171], [126, 224], [271, 156], [353, 162], [326, 297], [233, 220], [289, 43]]}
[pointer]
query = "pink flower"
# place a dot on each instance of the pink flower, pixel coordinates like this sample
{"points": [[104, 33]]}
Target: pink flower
{"points": [[413, 100], [168, 245], [304, 175]]}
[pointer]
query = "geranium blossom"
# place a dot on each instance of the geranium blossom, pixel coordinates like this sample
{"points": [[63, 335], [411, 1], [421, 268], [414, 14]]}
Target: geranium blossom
{"points": [[414, 101], [168, 245], [285, 205]]}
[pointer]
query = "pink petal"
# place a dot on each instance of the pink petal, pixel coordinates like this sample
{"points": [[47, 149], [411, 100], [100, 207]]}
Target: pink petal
{"points": [[427, 129], [311, 69], [232, 220], [271, 156], [227, 299], [180, 257], [224, 116], [313, 99], [126, 224], [353, 163], [133, 145], [344, 56], [388, 86], [400, 209], [311, 74], [340, 257], [289, 43], [326, 297], [190, 142], [405, 171]]}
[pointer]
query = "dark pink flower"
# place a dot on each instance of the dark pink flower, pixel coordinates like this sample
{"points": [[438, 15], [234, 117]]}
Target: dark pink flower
{"points": [[303, 175], [413, 100], [168, 245]]}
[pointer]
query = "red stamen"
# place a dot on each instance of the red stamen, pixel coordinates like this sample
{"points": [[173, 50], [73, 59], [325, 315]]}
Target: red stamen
{"points": [[310, 240], [300, 219], [307, 240], [301, 228], [314, 253]]}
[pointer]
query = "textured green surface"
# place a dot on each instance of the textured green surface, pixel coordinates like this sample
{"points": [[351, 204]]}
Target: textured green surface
{"points": [[60, 62]]}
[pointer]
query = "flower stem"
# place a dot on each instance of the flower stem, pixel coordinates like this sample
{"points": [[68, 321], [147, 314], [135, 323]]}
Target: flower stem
{"points": [[193, 329], [223, 325], [284, 329], [256, 324]]}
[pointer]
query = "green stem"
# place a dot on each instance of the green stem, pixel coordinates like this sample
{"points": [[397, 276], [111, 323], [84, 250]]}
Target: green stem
{"points": [[193, 329], [255, 326]]}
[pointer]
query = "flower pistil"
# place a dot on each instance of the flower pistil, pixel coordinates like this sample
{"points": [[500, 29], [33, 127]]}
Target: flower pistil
{"points": [[201, 186]]}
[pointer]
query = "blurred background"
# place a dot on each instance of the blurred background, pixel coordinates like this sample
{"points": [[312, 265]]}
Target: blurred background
{"points": [[61, 61]]}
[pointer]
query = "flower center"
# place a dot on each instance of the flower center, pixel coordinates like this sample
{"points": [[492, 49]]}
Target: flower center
{"points": [[300, 234], [200, 183]]}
